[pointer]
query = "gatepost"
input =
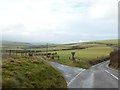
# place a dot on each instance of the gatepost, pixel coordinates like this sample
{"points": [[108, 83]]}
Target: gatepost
{"points": [[73, 54]]}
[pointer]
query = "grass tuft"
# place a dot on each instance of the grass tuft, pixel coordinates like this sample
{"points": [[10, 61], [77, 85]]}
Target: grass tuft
{"points": [[31, 72]]}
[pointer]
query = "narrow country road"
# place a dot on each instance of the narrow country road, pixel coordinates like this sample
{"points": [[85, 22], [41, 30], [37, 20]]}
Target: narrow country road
{"points": [[98, 76], [67, 71]]}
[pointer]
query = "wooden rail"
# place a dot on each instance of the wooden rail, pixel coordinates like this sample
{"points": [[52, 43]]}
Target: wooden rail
{"points": [[21, 52]]}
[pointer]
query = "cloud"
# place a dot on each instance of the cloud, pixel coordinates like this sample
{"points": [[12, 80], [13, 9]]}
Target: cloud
{"points": [[103, 9], [52, 20]]}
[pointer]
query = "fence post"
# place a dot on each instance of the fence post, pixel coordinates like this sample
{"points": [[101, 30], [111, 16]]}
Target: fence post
{"points": [[73, 53], [16, 52], [9, 52]]}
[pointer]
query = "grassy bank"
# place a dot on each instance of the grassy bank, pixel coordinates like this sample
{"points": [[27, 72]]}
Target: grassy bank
{"points": [[114, 59], [29, 72]]}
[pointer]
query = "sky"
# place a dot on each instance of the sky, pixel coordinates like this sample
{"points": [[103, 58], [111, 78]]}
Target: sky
{"points": [[58, 21]]}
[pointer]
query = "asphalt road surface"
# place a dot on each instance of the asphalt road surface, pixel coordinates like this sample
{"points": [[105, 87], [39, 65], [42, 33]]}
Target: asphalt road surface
{"points": [[98, 76], [68, 72]]}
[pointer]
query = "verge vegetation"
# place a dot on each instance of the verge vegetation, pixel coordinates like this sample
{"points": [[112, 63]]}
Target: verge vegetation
{"points": [[115, 59], [29, 72]]}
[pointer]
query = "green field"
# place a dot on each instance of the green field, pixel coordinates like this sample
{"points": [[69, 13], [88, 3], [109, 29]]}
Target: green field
{"points": [[91, 52], [83, 56], [114, 41], [21, 71], [29, 72], [16, 45]]}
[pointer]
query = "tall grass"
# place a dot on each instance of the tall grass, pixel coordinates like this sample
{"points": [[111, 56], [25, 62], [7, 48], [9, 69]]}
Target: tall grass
{"points": [[30, 72]]}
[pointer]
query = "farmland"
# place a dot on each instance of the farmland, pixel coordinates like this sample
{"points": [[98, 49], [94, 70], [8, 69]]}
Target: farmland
{"points": [[86, 53], [114, 41], [23, 71], [84, 57], [41, 46]]}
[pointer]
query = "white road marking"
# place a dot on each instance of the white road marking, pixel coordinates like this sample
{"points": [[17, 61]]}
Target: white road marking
{"points": [[112, 74], [75, 77], [89, 81], [93, 66], [111, 68], [107, 65]]}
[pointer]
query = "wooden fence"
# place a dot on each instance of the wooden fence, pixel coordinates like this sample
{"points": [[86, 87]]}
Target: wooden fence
{"points": [[21, 52]]}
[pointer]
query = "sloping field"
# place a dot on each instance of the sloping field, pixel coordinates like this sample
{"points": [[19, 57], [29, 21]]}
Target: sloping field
{"points": [[113, 41], [24, 72], [86, 53], [84, 57], [18, 45]]}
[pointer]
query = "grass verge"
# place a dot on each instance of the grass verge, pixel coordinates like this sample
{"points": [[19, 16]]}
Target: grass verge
{"points": [[29, 72]]}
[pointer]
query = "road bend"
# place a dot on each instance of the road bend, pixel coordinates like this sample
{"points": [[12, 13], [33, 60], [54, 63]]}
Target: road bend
{"points": [[98, 76]]}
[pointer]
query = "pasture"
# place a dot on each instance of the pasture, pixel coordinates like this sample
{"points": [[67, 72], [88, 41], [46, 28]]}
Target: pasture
{"points": [[83, 56], [86, 52], [113, 41]]}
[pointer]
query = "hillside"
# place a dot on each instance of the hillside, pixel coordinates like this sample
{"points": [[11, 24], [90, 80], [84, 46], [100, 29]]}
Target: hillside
{"points": [[112, 41], [41, 46], [82, 45], [86, 53], [29, 72], [14, 43]]}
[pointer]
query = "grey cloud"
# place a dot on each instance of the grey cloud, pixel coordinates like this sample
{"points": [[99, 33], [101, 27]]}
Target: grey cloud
{"points": [[17, 27]]}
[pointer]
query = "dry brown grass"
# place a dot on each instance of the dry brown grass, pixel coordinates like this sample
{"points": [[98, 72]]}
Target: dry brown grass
{"points": [[115, 59]]}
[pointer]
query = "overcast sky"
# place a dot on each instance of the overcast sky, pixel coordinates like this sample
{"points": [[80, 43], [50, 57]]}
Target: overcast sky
{"points": [[58, 21]]}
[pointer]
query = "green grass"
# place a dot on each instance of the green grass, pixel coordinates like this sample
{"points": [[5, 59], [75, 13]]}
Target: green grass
{"points": [[84, 56], [93, 52], [56, 46], [113, 41], [26, 72]]}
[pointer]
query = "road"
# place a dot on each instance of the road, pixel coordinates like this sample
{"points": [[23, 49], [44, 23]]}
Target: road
{"points": [[98, 76], [67, 71]]}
